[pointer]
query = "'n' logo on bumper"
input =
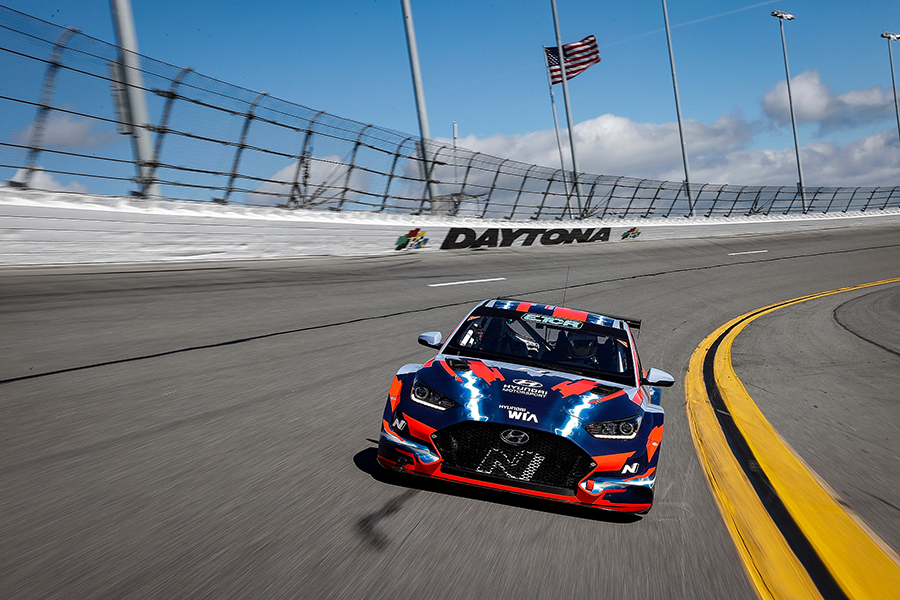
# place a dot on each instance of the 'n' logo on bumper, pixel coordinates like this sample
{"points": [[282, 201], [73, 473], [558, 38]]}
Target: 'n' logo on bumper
{"points": [[521, 465]]}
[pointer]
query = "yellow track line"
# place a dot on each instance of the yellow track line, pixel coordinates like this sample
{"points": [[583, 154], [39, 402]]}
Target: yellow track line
{"points": [[860, 562], [772, 567]]}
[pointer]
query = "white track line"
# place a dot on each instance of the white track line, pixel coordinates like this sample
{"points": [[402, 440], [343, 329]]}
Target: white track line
{"points": [[464, 282], [751, 252]]}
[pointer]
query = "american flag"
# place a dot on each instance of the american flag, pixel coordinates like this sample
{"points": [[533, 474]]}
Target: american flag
{"points": [[579, 56]]}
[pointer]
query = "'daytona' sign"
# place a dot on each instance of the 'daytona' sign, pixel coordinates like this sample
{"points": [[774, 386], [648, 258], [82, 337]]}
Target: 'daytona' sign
{"points": [[463, 237]]}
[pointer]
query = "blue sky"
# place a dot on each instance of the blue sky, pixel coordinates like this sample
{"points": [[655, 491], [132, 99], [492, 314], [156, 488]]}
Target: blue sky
{"points": [[482, 67]]}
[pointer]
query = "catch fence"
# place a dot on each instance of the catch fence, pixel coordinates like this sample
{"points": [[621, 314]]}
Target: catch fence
{"points": [[65, 128]]}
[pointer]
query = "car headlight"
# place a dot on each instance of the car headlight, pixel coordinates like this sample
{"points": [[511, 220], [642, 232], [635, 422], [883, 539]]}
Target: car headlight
{"points": [[622, 429], [422, 394]]}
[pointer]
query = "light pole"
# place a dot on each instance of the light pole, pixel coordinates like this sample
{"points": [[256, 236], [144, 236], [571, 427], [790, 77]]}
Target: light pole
{"points": [[684, 155], [893, 37], [424, 132], [129, 59], [782, 17]]}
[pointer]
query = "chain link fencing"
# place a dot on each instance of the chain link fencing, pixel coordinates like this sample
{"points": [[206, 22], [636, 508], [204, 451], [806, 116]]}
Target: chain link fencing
{"points": [[63, 128]]}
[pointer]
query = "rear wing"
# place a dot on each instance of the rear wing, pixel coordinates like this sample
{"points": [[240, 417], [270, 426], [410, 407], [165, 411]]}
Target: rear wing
{"points": [[633, 323]]}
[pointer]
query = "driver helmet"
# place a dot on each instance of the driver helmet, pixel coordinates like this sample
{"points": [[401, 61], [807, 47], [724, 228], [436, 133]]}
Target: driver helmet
{"points": [[581, 346]]}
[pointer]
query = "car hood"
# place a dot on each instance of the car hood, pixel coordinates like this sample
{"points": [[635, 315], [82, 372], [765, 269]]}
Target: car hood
{"points": [[525, 393]]}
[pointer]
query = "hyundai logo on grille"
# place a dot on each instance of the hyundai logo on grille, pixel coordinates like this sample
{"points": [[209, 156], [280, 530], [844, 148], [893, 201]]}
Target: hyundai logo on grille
{"points": [[528, 383], [514, 437]]}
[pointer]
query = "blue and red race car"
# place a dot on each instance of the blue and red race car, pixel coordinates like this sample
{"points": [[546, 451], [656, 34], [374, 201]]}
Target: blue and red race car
{"points": [[533, 399]]}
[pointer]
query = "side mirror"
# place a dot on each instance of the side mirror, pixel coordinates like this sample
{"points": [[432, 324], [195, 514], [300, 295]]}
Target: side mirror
{"points": [[432, 339], [658, 378]]}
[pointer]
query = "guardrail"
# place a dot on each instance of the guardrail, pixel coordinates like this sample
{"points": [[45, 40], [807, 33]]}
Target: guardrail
{"points": [[216, 142]]}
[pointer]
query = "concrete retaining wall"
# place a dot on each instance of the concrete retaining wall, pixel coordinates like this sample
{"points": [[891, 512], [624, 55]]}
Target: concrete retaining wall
{"points": [[40, 228]]}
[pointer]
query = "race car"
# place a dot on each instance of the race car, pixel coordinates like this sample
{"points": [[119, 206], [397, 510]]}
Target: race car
{"points": [[532, 399]]}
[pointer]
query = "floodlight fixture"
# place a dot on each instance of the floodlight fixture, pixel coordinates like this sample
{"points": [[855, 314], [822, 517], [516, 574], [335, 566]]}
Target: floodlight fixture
{"points": [[891, 36], [782, 15]]}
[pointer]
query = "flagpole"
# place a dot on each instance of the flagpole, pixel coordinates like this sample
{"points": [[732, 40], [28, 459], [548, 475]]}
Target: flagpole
{"points": [[562, 69], [562, 163]]}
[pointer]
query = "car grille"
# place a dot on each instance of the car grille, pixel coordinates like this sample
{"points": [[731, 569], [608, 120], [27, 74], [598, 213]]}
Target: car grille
{"points": [[546, 462]]}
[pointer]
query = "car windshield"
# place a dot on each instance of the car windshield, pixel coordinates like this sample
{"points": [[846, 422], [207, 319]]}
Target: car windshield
{"points": [[559, 344]]}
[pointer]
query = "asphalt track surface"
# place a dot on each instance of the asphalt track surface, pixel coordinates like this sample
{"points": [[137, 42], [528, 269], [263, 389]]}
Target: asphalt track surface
{"points": [[208, 431]]}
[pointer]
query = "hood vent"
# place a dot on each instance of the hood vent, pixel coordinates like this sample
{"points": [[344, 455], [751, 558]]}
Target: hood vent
{"points": [[458, 365], [604, 390]]}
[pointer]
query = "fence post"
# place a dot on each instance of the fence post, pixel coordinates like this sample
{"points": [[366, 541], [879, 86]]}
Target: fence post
{"points": [[438, 201], [303, 163], [659, 188], [737, 196], [810, 204], [163, 128], [350, 166], [40, 121], [240, 149], [712, 208], [889, 196], [869, 200], [550, 181], [774, 200], [718, 196], [610, 197], [794, 199], [674, 202], [633, 196], [850, 201], [587, 202], [831, 201], [519, 195], [753, 207], [462, 188], [424, 175], [585, 213], [390, 178], [487, 201]]}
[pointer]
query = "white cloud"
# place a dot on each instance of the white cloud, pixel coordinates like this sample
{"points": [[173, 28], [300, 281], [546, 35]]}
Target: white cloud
{"points": [[614, 145], [41, 180], [814, 102], [721, 152], [64, 131], [871, 161]]}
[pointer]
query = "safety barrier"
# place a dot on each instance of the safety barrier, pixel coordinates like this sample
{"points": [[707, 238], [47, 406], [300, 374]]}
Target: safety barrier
{"points": [[216, 142], [51, 228]]}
